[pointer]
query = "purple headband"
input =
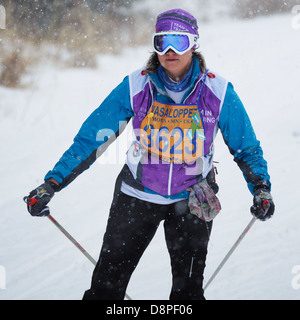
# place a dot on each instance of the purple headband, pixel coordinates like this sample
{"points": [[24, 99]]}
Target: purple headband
{"points": [[176, 20]]}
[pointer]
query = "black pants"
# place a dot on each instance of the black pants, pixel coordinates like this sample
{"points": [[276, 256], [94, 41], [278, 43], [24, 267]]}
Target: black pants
{"points": [[131, 226]]}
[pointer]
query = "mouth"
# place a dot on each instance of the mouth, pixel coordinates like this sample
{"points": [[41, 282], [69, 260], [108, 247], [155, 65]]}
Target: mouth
{"points": [[171, 59]]}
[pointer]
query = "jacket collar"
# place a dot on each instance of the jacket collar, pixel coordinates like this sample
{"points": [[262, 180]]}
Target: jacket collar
{"points": [[160, 88]]}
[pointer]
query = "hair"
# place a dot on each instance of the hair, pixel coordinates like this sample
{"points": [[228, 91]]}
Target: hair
{"points": [[153, 62]]}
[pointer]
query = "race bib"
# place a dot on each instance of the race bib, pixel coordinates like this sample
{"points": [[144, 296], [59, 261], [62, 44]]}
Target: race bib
{"points": [[174, 133]]}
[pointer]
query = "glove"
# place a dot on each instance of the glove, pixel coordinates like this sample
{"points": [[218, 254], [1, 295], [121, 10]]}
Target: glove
{"points": [[263, 206], [39, 198]]}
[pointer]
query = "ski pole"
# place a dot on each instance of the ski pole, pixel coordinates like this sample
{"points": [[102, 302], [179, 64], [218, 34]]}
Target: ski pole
{"points": [[67, 234], [64, 231], [230, 252]]}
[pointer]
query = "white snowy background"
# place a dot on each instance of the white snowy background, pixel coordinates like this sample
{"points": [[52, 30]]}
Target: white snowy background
{"points": [[261, 58]]}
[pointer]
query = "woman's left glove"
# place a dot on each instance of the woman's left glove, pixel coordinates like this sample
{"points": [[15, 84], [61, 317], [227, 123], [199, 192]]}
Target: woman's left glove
{"points": [[39, 198], [263, 206]]}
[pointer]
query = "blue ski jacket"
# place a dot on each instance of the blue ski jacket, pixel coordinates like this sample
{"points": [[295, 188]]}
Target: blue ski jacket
{"points": [[217, 107]]}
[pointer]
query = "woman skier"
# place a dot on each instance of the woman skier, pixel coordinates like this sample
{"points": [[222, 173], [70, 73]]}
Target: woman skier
{"points": [[176, 107]]}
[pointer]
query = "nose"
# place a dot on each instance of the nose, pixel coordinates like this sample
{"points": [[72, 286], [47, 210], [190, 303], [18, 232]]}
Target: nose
{"points": [[170, 52]]}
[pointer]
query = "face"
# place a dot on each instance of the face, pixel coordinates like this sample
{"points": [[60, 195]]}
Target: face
{"points": [[175, 65]]}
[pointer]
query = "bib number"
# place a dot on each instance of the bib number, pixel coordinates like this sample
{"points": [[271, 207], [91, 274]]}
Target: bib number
{"points": [[174, 133]]}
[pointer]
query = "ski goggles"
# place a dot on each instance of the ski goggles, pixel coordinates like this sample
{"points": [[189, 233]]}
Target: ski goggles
{"points": [[179, 42]]}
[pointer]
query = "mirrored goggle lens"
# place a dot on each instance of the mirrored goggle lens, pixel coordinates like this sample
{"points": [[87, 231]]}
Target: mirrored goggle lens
{"points": [[179, 42]]}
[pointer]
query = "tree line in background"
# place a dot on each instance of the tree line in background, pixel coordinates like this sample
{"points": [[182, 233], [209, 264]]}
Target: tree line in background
{"points": [[254, 8], [45, 19], [73, 32], [66, 31]]}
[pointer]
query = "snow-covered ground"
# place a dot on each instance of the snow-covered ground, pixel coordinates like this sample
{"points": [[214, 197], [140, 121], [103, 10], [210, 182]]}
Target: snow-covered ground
{"points": [[261, 58]]}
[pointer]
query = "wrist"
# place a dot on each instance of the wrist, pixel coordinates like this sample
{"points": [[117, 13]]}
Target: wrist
{"points": [[54, 184], [263, 184]]}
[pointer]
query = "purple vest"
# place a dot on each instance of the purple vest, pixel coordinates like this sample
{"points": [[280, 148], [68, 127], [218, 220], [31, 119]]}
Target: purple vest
{"points": [[148, 169]]}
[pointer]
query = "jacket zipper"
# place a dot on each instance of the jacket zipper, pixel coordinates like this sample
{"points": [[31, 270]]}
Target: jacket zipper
{"points": [[170, 179], [171, 165], [195, 86]]}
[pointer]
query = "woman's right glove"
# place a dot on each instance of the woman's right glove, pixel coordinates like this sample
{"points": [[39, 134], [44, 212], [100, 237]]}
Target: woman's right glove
{"points": [[39, 198]]}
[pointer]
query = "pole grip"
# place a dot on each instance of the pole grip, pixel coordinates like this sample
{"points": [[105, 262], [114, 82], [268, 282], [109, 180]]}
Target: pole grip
{"points": [[30, 201], [266, 205]]}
